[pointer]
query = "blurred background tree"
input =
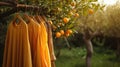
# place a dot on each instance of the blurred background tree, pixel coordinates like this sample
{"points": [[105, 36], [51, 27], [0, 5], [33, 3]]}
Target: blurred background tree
{"points": [[101, 23]]}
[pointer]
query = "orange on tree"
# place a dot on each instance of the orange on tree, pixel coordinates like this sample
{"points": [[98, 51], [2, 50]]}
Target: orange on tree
{"points": [[62, 32], [58, 34], [67, 34], [90, 11], [73, 3], [69, 31], [66, 20]]}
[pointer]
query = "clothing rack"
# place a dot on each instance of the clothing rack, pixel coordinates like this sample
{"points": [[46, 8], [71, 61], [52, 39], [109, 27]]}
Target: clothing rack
{"points": [[23, 7], [19, 7]]}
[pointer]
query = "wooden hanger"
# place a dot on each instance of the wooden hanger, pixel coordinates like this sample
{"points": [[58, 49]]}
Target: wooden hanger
{"points": [[26, 18], [37, 18], [17, 19]]}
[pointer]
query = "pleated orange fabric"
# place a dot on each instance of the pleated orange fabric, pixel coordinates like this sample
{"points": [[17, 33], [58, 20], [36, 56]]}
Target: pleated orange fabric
{"points": [[26, 45], [36, 45], [50, 39], [17, 47], [44, 42]]}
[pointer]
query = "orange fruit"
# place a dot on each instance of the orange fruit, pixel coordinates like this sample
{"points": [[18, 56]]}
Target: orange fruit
{"points": [[58, 34], [76, 15], [66, 20], [62, 32], [69, 31], [73, 3], [67, 34], [90, 11]]}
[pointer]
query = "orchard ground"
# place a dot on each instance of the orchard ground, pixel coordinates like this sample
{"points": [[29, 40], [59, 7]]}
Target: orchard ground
{"points": [[76, 58]]}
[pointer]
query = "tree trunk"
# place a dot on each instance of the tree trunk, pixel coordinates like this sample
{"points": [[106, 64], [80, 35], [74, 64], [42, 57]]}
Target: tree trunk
{"points": [[89, 49], [88, 35]]}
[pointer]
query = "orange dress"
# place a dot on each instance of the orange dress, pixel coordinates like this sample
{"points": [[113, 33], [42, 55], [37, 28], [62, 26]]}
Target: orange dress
{"points": [[50, 39], [44, 42], [35, 42], [17, 48]]}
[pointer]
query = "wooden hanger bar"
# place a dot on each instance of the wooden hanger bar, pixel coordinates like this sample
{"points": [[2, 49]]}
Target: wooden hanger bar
{"points": [[19, 7], [6, 4], [10, 4]]}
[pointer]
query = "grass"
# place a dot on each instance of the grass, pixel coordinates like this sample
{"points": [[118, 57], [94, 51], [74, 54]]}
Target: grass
{"points": [[76, 58]]}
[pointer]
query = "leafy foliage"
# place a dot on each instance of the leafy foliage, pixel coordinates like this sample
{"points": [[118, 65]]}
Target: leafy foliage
{"points": [[105, 21], [113, 14]]}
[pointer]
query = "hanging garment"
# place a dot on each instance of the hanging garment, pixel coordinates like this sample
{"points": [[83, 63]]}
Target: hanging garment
{"points": [[17, 48], [50, 40], [50, 45], [37, 54], [44, 42]]}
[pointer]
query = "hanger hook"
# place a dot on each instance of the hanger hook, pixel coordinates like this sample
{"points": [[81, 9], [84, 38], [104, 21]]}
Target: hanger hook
{"points": [[17, 7], [40, 11], [32, 9], [37, 10]]}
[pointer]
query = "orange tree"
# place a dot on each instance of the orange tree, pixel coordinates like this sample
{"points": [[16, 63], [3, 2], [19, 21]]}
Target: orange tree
{"points": [[65, 21], [104, 23], [91, 26]]}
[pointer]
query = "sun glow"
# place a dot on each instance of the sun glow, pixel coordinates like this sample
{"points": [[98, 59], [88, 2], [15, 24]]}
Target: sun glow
{"points": [[107, 2]]}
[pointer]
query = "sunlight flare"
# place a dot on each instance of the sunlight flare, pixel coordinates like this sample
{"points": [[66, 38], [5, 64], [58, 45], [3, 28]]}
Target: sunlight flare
{"points": [[107, 2]]}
